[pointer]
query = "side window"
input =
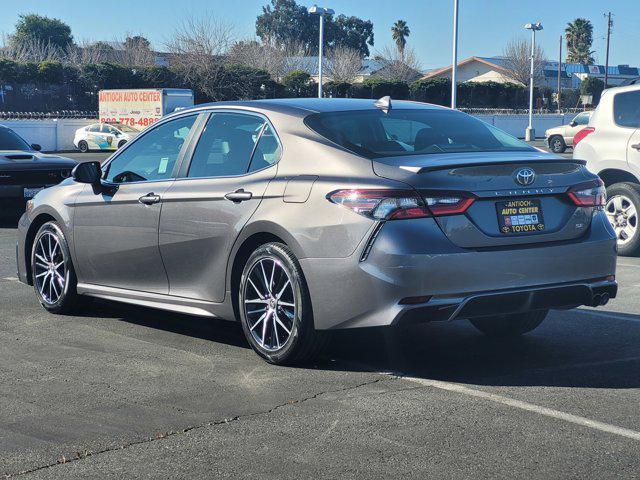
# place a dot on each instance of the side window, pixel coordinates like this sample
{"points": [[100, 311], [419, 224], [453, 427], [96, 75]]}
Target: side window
{"points": [[626, 109], [153, 155], [267, 151], [582, 119], [94, 128], [225, 146]]}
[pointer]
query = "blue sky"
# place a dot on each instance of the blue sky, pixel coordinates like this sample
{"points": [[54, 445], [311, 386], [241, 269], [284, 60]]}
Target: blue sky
{"points": [[485, 25]]}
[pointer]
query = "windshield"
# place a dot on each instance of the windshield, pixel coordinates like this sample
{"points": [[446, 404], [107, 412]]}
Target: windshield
{"points": [[374, 134], [9, 140], [122, 127]]}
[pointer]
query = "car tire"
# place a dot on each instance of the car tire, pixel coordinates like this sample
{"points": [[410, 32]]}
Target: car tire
{"points": [[624, 199], [54, 278], [509, 325], [121, 143], [556, 144], [275, 307], [83, 146]]}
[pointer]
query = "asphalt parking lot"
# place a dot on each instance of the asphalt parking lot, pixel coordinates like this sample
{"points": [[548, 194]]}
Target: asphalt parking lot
{"points": [[122, 392]]}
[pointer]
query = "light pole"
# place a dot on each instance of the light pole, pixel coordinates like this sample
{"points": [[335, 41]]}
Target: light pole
{"points": [[321, 12], [454, 64], [530, 133]]}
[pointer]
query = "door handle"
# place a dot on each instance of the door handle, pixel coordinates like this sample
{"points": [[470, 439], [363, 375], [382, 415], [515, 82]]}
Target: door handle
{"points": [[636, 146], [149, 199], [239, 196]]}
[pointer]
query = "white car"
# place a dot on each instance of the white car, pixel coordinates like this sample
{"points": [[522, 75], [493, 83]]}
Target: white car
{"points": [[611, 146], [103, 136], [559, 138]]}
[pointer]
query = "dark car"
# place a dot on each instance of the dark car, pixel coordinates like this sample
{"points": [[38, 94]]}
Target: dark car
{"points": [[24, 171]]}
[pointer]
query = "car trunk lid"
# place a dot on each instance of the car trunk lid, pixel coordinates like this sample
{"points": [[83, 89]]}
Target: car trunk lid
{"points": [[520, 197]]}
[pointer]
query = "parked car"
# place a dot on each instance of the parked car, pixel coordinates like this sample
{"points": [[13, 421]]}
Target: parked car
{"points": [[300, 216], [24, 171], [103, 136], [559, 138], [611, 146]]}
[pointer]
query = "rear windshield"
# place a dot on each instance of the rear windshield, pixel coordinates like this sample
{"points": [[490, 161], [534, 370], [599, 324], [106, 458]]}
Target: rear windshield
{"points": [[11, 141], [375, 134]]}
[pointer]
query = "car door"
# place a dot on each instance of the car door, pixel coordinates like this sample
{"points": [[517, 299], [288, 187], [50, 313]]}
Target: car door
{"points": [[116, 228], [94, 136], [578, 123], [218, 191]]}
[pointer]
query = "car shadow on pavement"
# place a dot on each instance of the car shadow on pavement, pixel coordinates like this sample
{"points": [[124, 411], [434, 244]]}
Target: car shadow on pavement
{"points": [[570, 349]]}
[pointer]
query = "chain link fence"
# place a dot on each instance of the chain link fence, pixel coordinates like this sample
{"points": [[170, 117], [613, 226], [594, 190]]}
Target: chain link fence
{"points": [[90, 114]]}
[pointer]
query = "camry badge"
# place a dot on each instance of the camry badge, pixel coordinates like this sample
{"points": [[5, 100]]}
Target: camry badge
{"points": [[525, 176]]}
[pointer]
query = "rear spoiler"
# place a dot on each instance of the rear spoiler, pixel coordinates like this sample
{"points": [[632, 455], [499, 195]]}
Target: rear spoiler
{"points": [[435, 168]]}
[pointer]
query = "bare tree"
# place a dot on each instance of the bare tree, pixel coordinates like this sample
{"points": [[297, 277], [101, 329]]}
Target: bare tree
{"points": [[277, 60], [517, 61], [30, 50], [135, 51], [198, 47], [399, 67], [343, 64]]}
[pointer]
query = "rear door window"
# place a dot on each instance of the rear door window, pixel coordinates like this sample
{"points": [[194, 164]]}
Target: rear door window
{"points": [[226, 145], [626, 109]]}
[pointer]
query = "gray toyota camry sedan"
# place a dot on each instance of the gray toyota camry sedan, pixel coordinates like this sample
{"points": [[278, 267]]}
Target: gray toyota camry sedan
{"points": [[300, 216]]}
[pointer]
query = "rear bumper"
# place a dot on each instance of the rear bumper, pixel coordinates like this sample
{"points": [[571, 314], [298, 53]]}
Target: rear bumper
{"points": [[592, 293], [413, 258]]}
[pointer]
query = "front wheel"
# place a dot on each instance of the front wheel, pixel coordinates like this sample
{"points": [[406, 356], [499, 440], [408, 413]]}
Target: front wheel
{"points": [[275, 307], [54, 278], [622, 207], [509, 325]]}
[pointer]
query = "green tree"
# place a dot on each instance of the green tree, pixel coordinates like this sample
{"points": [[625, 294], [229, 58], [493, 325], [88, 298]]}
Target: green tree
{"points": [[137, 42], [592, 86], [579, 35], [298, 83], [284, 22], [42, 29], [399, 32]]}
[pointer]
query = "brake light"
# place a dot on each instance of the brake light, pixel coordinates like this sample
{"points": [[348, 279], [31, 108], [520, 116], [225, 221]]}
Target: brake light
{"points": [[398, 204], [590, 194], [582, 134]]}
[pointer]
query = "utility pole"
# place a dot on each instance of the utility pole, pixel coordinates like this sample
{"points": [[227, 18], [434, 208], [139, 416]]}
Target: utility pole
{"points": [[559, 74], [454, 64], [606, 67]]}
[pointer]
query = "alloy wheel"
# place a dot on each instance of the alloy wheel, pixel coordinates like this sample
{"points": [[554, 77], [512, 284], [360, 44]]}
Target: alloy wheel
{"points": [[269, 304], [623, 216], [50, 268]]}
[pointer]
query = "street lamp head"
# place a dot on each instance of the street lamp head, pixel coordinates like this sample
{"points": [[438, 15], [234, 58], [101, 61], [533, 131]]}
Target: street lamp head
{"points": [[533, 26], [316, 10]]}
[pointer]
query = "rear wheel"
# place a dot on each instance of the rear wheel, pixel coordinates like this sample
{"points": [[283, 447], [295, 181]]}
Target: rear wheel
{"points": [[275, 307], [556, 144], [54, 278], [121, 143], [509, 325], [83, 146], [622, 207]]}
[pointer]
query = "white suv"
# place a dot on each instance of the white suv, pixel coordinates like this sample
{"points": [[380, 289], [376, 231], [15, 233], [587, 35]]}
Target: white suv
{"points": [[611, 146]]}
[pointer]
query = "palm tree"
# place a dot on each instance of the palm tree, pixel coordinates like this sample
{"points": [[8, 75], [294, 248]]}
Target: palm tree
{"points": [[579, 35], [400, 31]]}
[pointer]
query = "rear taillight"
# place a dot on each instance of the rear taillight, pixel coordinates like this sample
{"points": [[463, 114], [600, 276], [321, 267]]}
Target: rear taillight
{"points": [[591, 194], [398, 204], [582, 134]]}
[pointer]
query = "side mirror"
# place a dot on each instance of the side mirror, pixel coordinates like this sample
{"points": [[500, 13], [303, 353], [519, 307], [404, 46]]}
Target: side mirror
{"points": [[36, 147], [573, 123], [87, 172]]}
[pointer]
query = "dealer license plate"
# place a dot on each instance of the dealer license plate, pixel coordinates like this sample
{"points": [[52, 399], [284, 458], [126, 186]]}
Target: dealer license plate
{"points": [[520, 216]]}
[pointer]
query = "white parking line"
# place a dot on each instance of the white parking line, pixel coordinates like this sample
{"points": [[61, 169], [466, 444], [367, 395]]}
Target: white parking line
{"points": [[10, 279], [529, 407]]}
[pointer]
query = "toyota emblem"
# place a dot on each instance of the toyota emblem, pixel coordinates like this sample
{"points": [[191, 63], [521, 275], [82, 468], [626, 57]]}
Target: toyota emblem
{"points": [[525, 176]]}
